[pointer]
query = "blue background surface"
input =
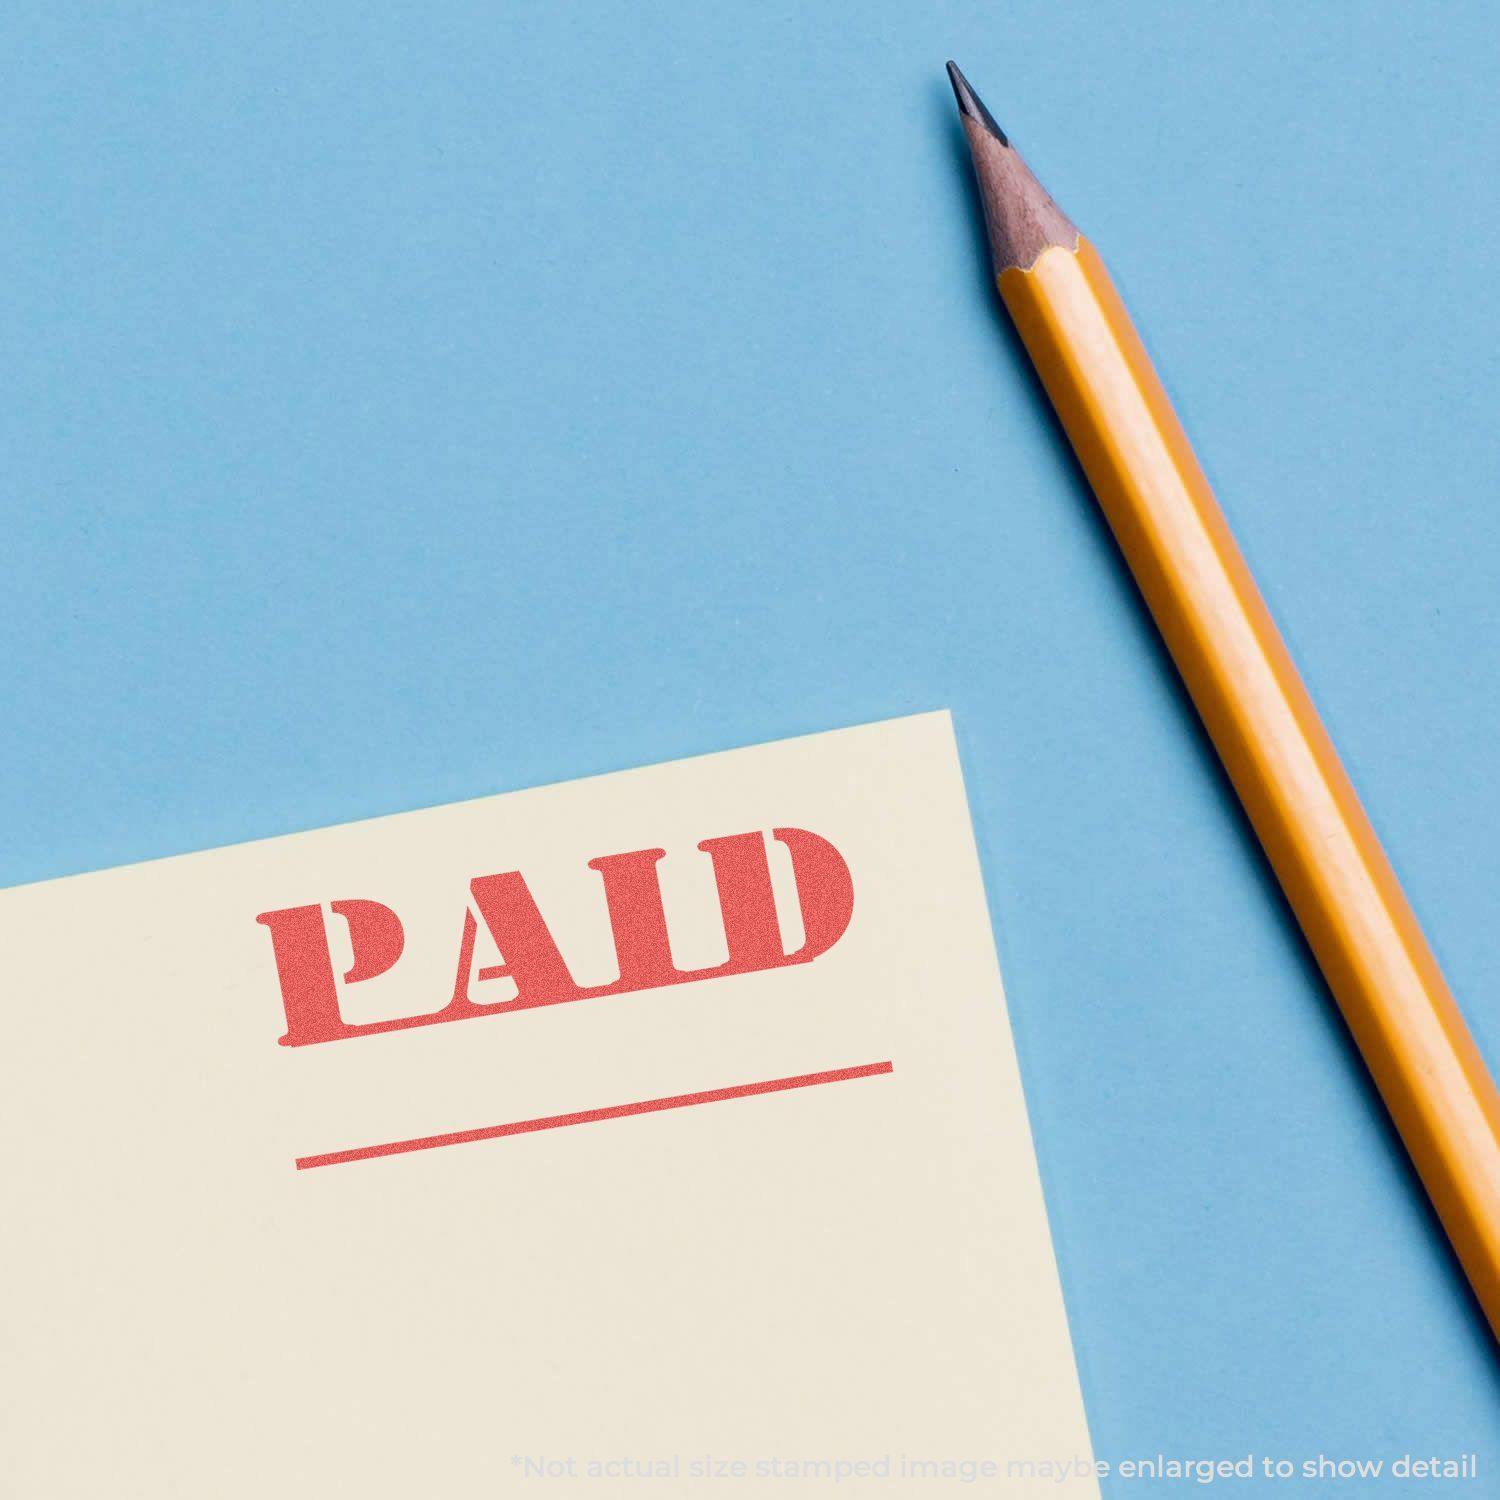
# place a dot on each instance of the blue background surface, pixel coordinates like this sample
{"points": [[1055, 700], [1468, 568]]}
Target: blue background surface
{"points": [[411, 402]]}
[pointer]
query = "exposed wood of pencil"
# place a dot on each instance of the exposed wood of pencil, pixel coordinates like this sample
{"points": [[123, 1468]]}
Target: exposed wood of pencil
{"points": [[1284, 767]]}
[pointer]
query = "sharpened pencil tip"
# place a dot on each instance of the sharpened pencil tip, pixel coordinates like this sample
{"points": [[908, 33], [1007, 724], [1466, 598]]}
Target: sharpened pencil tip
{"points": [[970, 104], [1019, 216]]}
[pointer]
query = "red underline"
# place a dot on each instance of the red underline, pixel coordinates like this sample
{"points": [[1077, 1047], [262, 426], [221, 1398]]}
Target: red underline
{"points": [[588, 1116]]}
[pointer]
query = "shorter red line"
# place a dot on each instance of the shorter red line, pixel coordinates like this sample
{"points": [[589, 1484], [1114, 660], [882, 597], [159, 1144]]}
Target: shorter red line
{"points": [[588, 1116]]}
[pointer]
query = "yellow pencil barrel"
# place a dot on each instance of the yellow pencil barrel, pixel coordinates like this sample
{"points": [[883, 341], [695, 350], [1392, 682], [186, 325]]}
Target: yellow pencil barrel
{"points": [[1278, 755]]}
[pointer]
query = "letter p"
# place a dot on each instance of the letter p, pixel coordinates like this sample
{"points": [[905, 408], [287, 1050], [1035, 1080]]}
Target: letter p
{"points": [[304, 965]]}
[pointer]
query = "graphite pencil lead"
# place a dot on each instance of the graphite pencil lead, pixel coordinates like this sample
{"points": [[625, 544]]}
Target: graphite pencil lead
{"points": [[1021, 218], [970, 104]]}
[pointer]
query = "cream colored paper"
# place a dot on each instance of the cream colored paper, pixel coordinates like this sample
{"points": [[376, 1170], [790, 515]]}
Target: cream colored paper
{"points": [[852, 1272]]}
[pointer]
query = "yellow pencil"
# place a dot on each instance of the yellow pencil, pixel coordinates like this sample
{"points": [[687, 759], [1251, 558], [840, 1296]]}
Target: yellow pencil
{"points": [[1258, 713]]}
